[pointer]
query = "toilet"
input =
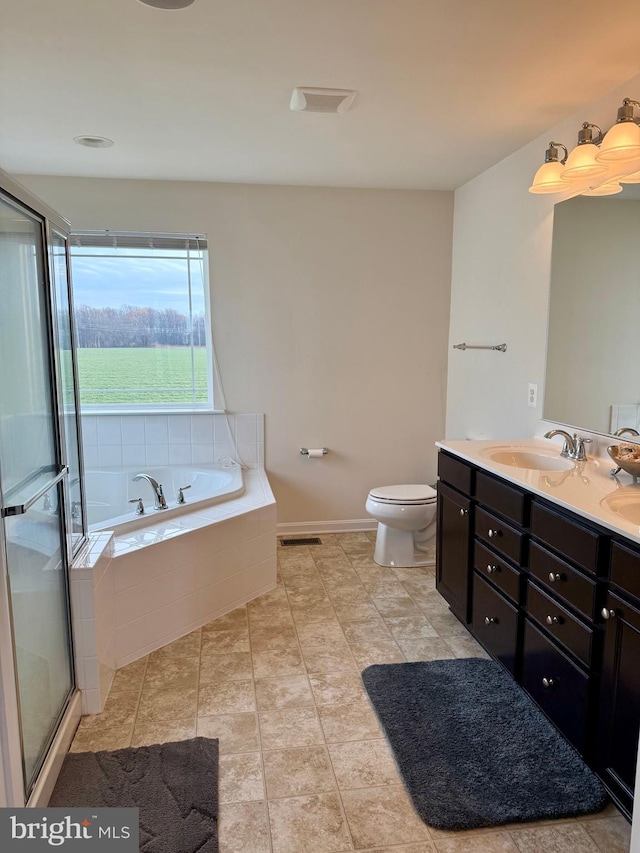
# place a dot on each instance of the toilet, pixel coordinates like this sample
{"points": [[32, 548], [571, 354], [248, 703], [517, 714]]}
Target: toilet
{"points": [[406, 517]]}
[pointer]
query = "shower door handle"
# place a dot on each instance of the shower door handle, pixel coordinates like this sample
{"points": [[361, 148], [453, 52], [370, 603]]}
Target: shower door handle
{"points": [[20, 509]]}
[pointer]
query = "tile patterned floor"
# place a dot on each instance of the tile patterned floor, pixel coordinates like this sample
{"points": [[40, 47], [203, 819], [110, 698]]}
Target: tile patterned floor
{"points": [[304, 767]]}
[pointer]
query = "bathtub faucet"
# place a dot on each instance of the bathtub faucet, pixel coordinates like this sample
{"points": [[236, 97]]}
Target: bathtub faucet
{"points": [[158, 494]]}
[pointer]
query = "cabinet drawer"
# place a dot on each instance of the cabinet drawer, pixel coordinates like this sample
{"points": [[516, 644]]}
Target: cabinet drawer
{"points": [[558, 686], [501, 498], [455, 472], [572, 540], [625, 569], [563, 580], [500, 535], [495, 623], [497, 571], [560, 623]]}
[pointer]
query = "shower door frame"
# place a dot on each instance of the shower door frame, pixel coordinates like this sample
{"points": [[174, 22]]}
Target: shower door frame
{"points": [[12, 781]]}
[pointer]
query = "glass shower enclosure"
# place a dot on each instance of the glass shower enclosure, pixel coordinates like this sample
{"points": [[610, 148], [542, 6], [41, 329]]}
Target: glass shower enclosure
{"points": [[41, 497]]}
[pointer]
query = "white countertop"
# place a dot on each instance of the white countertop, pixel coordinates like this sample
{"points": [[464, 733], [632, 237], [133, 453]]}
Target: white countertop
{"points": [[580, 488]]}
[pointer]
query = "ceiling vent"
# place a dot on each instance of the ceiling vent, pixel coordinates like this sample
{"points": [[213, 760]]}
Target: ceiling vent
{"points": [[314, 100]]}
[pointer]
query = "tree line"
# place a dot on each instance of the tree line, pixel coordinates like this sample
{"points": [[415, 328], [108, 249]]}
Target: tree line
{"points": [[132, 326]]}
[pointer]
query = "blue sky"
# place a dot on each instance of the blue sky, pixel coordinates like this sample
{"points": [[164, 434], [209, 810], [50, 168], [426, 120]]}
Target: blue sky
{"points": [[116, 281]]}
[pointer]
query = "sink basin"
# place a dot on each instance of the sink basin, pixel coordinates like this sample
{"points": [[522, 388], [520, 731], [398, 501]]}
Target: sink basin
{"points": [[624, 504], [523, 457]]}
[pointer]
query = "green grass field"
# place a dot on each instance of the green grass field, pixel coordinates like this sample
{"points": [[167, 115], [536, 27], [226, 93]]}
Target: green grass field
{"points": [[149, 375]]}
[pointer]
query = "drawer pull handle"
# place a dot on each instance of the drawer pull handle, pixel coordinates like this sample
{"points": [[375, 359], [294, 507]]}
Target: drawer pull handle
{"points": [[548, 682], [493, 534], [491, 569], [608, 614], [555, 576], [490, 620], [552, 620], [464, 512]]}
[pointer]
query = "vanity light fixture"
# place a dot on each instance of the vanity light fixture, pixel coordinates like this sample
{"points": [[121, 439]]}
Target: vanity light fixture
{"points": [[581, 163], [548, 178], [610, 188], [633, 178], [598, 164], [622, 142]]}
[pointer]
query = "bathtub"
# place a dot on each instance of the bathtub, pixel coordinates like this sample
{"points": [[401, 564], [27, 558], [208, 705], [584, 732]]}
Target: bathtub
{"points": [[162, 579], [109, 492]]}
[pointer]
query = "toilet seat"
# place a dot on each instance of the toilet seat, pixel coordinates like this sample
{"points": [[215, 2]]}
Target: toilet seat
{"points": [[408, 494]]}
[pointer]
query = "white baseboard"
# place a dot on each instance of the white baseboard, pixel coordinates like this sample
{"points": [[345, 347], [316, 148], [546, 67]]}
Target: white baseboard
{"points": [[304, 528]]}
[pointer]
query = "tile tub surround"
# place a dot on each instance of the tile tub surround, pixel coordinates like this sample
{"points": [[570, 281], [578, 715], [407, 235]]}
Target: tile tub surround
{"points": [[93, 619], [173, 576], [123, 441], [304, 765]]}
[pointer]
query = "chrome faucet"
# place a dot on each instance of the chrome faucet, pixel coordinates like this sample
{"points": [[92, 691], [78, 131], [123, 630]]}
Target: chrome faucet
{"points": [[623, 430], [569, 447], [573, 447], [158, 494]]}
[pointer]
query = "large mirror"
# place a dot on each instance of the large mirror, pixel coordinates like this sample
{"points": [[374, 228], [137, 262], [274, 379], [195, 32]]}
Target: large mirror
{"points": [[593, 351]]}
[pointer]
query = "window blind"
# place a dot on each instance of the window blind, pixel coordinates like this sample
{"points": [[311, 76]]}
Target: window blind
{"points": [[137, 240]]}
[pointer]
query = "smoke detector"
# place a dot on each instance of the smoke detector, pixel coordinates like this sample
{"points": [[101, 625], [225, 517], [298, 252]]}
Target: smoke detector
{"points": [[168, 4], [93, 141], [315, 100]]}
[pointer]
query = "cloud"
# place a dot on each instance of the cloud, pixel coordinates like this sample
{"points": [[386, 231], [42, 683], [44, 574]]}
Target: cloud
{"points": [[160, 283]]}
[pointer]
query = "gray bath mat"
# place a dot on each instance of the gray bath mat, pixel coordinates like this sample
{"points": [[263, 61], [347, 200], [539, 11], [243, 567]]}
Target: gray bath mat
{"points": [[472, 748], [175, 786]]}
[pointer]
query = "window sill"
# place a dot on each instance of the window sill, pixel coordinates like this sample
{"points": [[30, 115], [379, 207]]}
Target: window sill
{"points": [[132, 410]]}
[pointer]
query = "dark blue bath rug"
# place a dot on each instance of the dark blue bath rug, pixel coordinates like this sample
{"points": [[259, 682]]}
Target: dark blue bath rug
{"points": [[472, 748], [174, 785]]}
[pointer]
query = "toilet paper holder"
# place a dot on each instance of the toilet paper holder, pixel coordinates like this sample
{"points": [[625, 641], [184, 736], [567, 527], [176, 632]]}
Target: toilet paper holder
{"points": [[304, 451]]}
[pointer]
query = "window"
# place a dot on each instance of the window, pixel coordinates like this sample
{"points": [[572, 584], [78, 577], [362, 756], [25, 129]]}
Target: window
{"points": [[142, 321]]}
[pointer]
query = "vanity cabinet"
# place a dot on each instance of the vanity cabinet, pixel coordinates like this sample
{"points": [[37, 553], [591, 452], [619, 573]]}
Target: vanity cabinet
{"points": [[556, 600], [619, 712], [499, 557], [454, 524], [562, 647]]}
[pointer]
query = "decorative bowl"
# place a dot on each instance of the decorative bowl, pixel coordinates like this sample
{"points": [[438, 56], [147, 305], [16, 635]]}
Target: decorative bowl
{"points": [[627, 457]]}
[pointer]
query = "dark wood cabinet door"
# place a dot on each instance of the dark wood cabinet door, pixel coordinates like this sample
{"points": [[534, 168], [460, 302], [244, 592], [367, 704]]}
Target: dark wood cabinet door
{"points": [[495, 624], [454, 549], [619, 717], [557, 685]]}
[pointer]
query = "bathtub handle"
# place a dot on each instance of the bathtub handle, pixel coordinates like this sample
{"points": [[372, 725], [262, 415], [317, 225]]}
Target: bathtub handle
{"points": [[180, 498], [140, 507]]}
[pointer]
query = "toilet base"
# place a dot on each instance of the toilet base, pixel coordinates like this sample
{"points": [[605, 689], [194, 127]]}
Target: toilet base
{"points": [[396, 549]]}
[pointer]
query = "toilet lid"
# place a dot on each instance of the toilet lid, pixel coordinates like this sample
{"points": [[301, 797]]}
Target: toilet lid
{"points": [[407, 494]]}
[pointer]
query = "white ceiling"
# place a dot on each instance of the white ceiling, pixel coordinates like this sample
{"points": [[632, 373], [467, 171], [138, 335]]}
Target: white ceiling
{"points": [[445, 88]]}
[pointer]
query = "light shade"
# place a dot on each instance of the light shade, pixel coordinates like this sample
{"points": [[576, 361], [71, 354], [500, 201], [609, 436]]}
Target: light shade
{"points": [[622, 142], [548, 179], [633, 178], [612, 188], [581, 163]]}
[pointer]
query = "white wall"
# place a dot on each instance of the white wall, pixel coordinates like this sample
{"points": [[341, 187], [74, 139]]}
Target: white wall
{"points": [[500, 285], [330, 313]]}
